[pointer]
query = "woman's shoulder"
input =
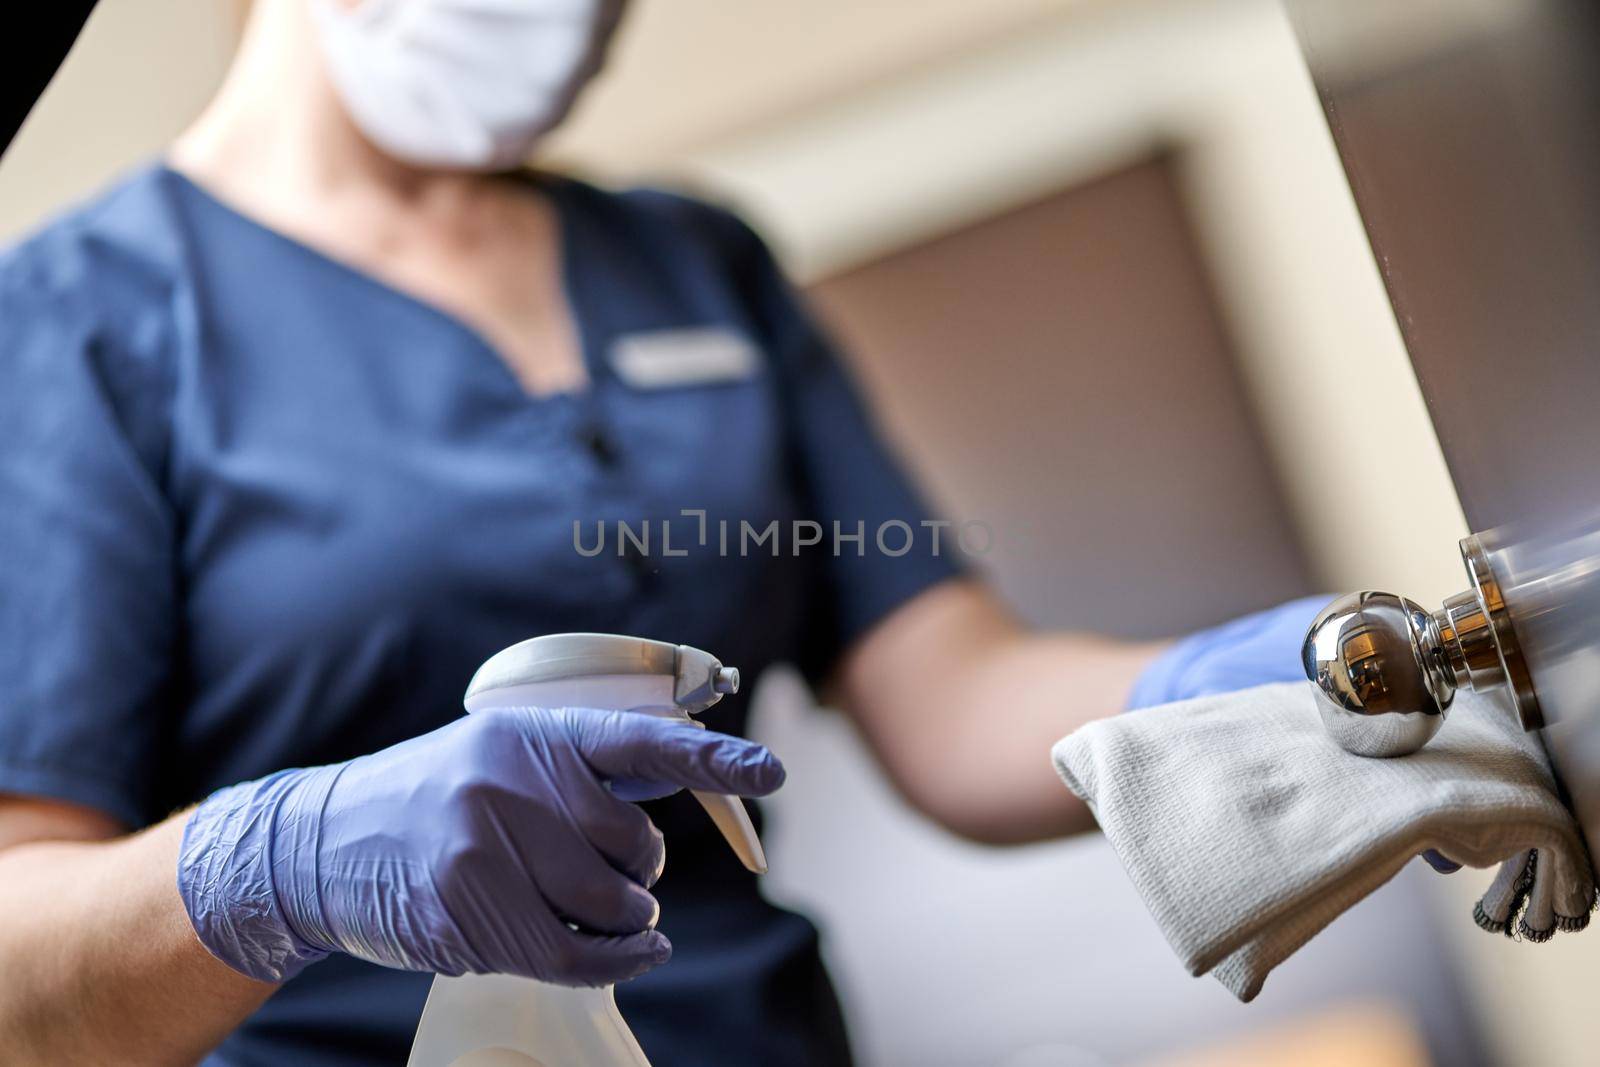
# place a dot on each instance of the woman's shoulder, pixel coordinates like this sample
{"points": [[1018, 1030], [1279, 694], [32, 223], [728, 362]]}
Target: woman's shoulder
{"points": [[118, 251], [87, 309]]}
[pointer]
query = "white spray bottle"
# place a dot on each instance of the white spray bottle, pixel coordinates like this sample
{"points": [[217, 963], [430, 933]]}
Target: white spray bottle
{"points": [[506, 1021]]}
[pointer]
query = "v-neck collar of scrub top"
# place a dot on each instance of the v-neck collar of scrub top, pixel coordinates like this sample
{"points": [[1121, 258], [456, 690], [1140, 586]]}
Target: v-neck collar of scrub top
{"points": [[568, 253]]}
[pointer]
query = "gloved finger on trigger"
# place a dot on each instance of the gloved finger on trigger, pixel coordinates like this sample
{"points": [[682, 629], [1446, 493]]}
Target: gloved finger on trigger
{"points": [[679, 753]]}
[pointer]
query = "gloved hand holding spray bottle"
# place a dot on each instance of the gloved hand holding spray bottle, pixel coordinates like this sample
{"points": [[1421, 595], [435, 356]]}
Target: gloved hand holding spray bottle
{"points": [[495, 1020], [497, 851]]}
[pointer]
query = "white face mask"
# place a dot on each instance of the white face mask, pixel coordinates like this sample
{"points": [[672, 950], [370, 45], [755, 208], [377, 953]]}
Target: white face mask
{"points": [[468, 84]]}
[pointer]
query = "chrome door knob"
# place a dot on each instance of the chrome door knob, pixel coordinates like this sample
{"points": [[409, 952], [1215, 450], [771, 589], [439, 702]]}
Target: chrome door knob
{"points": [[1385, 669], [1381, 686]]}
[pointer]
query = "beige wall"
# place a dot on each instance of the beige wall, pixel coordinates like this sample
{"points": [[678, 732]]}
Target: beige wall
{"points": [[737, 66]]}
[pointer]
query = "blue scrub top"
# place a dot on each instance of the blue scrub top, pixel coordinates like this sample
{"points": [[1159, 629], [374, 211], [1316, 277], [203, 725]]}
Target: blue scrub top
{"points": [[259, 510]]}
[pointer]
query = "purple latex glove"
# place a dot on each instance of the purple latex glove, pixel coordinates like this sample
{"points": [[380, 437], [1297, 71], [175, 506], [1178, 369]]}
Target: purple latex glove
{"points": [[1248, 651], [469, 849]]}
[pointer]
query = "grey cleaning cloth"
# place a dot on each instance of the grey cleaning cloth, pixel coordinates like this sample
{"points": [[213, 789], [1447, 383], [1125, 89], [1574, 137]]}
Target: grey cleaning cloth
{"points": [[1247, 830]]}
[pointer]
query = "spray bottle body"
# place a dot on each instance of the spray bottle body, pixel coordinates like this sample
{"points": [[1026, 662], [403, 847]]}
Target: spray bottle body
{"points": [[496, 1020]]}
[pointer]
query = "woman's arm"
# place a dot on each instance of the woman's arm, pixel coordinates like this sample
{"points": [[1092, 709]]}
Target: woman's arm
{"points": [[961, 704], [100, 961]]}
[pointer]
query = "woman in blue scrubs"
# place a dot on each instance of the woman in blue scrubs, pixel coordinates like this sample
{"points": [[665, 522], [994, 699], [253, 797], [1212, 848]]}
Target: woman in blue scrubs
{"points": [[305, 421]]}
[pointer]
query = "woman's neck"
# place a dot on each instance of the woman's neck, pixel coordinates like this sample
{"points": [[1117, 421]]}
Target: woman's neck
{"points": [[277, 142], [277, 145]]}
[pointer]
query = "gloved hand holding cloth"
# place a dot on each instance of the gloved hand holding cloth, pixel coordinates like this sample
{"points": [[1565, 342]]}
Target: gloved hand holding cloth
{"points": [[1247, 830]]}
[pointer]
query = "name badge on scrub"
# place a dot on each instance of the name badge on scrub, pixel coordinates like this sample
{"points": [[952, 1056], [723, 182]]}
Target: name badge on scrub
{"points": [[700, 355]]}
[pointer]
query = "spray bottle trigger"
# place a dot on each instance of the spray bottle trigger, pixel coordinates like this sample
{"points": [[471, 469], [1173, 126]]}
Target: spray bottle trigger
{"points": [[734, 821]]}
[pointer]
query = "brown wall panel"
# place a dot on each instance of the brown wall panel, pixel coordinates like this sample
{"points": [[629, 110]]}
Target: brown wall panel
{"points": [[1061, 373]]}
